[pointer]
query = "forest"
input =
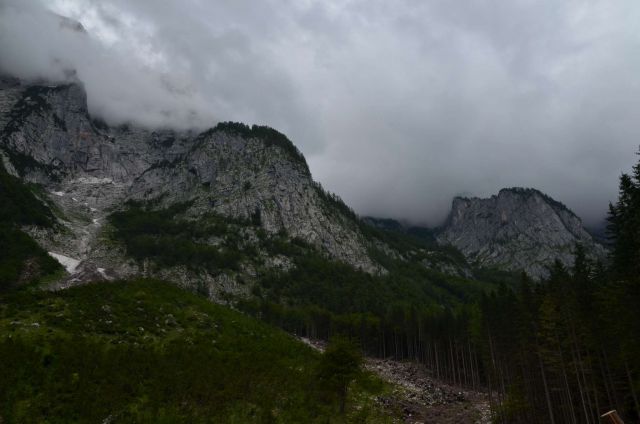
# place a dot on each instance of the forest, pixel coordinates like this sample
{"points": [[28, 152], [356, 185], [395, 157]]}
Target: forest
{"points": [[562, 350]]}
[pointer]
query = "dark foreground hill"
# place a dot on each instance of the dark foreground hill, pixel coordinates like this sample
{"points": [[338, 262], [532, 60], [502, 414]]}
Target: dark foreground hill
{"points": [[148, 352]]}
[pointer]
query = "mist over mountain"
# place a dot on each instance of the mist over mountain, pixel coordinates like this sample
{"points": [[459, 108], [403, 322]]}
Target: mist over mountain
{"points": [[397, 107], [147, 171]]}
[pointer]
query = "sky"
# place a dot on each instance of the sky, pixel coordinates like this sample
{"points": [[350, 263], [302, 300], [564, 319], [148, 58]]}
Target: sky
{"points": [[398, 106]]}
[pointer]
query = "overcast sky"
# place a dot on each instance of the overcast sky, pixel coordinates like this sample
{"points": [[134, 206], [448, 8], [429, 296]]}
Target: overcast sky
{"points": [[397, 105]]}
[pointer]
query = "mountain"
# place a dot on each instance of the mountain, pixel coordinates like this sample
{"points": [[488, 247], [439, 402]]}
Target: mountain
{"points": [[518, 229], [233, 214], [87, 170], [245, 189], [424, 235]]}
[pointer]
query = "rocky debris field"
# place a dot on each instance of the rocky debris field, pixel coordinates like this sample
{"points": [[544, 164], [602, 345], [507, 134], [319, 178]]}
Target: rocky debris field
{"points": [[419, 398], [423, 399]]}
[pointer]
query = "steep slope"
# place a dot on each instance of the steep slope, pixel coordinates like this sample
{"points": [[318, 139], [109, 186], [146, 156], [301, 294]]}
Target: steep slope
{"points": [[518, 229], [89, 170], [147, 352], [22, 260], [417, 244]]}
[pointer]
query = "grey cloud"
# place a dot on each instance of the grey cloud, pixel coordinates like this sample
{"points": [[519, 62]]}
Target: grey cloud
{"points": [[398, 106]]}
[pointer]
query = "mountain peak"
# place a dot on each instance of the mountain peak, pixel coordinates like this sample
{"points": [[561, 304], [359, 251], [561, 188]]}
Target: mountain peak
{"points": [[517, 229]]}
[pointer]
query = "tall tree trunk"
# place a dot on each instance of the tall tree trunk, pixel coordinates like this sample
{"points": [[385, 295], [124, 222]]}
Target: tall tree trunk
{"points": [[633, 391], [546, 389]]}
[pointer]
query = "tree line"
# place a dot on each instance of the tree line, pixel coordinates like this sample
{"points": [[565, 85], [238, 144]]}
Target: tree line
{"points": [[567, 349], [562, 350]]}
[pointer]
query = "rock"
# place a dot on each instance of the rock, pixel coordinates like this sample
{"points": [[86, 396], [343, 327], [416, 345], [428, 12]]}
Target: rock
{"points": [[89, 169], [170, 320], [519, 229]]}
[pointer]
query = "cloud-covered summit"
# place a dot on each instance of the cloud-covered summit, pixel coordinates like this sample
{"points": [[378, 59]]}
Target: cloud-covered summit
{"points": [[398, 106]]}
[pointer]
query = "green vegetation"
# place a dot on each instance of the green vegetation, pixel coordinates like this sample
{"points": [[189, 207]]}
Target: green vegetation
{"points": [[149, 352], [562, 350], [22, 261], [567, 349], [19, 205], [397, 314], [146, 231], [334, 203], [624, 226], [269, 136], [339, 366], [168, 240]]}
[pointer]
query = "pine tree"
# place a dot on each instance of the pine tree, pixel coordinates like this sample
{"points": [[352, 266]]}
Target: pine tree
{"points": [[624, 226], [339, 366]]}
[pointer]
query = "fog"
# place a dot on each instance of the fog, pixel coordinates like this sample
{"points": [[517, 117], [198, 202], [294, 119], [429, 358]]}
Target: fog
{"points": [[398, 106]]}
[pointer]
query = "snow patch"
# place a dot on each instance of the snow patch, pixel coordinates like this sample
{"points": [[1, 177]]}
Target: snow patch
{"points": [[58, 193], [70, 264], [94, 180]]}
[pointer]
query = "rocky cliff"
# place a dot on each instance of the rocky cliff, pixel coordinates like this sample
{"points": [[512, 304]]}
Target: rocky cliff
{"points": [[518, 229], [253, 176], [88, 170]]}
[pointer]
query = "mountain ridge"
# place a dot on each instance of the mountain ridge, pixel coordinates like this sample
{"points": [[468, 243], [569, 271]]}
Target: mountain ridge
{"points": [[89, 169], [252, 173], [517, 229]]}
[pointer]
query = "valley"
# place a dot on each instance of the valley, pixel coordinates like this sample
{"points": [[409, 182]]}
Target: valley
{"points": [[500, 314]]}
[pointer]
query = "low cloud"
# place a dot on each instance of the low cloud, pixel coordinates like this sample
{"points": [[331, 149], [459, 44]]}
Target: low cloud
{"points": [[398, 106]]}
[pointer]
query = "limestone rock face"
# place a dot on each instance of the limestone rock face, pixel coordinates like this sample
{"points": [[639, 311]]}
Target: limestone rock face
{"points": [[519, 229], [89, 169]]}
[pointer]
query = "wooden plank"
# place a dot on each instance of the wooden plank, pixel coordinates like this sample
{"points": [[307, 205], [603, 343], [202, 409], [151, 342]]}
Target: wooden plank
{"points": [[612, 417]]}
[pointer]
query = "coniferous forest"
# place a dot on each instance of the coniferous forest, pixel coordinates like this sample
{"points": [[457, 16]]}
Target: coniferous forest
{"points": [[163, 262], [562, 350]]}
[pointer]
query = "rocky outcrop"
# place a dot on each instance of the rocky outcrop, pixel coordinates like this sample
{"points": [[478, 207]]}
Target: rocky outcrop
{"points": [[519, 229], [88, 169]]}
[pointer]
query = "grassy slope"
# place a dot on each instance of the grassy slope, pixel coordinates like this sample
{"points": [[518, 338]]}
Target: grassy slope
{"points": [[21, 259], [147, 351]]}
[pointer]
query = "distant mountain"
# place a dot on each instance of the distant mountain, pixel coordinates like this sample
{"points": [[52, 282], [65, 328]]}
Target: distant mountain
{"points": [[518, 229], [425, 235], [599, 232], [387, 224]]}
